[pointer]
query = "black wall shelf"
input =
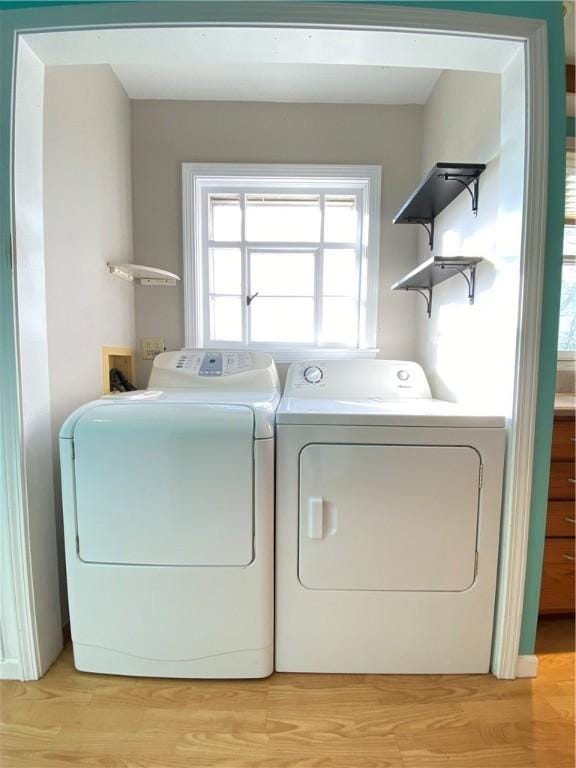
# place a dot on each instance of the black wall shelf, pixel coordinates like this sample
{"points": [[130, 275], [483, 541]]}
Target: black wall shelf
{"points": [[440, 187], [435, 270]]}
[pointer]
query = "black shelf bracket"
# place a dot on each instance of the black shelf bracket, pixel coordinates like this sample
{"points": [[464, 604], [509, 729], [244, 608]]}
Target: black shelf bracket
{"points": [[470, 280], [467, 182], [427, 294], [428, 225]]}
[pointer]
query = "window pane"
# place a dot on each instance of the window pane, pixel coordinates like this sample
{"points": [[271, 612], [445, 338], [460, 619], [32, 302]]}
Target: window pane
{"points": [[569, 240], [340, 219], [570, 205], [287, 320], [567, 335], [339, 322], [339, 273], [292, 218], [225, 318], [225, 271], [225, 217], [281, 273]]}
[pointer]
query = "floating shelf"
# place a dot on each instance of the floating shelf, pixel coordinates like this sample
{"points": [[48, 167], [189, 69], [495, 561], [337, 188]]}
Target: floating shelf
{"points": [[146, 275], [436, 270], [442, 185]]}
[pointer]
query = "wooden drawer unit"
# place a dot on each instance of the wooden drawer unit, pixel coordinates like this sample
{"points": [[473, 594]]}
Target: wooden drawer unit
{"points": [[562, 480], [557, 593], [561, 520], [563, 440]]}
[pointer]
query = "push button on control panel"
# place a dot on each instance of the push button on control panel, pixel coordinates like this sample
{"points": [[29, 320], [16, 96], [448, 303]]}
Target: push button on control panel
{"points": [[186, 361]]}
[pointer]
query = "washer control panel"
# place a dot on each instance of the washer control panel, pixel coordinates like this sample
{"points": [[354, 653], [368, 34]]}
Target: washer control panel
{"points": [[212, 363], [224, 369]]}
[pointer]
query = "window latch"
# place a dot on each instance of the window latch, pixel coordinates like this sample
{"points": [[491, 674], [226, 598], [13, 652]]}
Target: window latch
{"points": [[250, 299]]}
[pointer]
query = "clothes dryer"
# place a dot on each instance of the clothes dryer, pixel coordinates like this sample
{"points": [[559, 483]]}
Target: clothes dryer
{"points": [[387, 523]]}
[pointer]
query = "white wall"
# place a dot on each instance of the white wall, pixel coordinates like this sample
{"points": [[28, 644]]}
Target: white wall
{"points": [[88, 222], [469, 351], [167, 133]]}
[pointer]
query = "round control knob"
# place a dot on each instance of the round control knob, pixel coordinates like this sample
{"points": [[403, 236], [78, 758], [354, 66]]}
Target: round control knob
{"points": [[313, 374], [403, 375]]}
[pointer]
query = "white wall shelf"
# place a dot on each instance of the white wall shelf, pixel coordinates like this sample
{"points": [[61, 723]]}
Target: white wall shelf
{"points": [[435, 270], [145, 275]]}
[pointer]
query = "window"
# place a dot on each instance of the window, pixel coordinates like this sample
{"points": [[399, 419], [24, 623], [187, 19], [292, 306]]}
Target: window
{"points": [[567, 330], [283, 258]]}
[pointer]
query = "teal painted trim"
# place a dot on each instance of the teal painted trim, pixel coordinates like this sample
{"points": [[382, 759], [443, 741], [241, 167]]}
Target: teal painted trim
{"points": [[570, 126], [14, 16], [549, 330]]}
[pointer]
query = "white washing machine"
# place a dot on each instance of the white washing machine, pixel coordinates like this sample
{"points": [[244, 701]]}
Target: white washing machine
{"points": [[168, 498], [387, 523]]}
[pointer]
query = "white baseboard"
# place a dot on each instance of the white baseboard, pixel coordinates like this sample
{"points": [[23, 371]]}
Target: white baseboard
{"points": [[527, 666], [10, 669]]}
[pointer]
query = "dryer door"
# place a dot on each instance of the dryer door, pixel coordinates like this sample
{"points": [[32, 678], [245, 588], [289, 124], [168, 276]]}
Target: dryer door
{"points": [[165, 484], [388, 517]]}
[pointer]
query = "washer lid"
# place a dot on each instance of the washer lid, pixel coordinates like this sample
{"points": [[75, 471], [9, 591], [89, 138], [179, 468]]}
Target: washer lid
{"points": [[371, 411]]}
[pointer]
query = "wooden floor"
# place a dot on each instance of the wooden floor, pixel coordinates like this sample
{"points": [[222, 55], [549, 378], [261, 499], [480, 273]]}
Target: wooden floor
{"points": [[76, 720]]}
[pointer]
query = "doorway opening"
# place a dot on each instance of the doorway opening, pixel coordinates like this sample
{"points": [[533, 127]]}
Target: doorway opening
{"points": [[132, 224]]}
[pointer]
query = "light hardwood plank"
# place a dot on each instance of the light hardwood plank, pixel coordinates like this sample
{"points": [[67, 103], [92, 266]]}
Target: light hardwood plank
{"points": [[74, 720]]}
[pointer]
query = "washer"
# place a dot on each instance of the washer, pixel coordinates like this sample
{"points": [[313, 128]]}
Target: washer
{"points": [[387, 523], [168, 499]]}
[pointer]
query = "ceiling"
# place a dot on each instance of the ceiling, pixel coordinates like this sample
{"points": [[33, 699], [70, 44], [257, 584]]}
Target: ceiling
{"points": [[247, 64]]}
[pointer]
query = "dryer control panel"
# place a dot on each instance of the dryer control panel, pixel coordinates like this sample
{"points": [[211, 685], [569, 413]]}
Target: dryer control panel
{"points": [[220, 369], [357, 378]]}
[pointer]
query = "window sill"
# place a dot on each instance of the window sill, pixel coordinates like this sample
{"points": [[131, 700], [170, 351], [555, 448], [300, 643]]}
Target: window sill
{"points": [[294, 355]]}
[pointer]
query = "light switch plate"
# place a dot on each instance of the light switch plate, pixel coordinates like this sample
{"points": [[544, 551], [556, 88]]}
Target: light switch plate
{"points": [[152, 346]]}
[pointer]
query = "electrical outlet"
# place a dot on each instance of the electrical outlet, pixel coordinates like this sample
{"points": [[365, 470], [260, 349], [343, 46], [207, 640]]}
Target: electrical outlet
{"points": [[152, 347]]}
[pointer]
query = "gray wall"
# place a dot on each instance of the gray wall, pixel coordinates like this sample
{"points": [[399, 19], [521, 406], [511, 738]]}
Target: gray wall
{"points": [[167, 133], [88, 222]]}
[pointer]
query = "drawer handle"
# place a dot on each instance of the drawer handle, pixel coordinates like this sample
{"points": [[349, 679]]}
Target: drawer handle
{"points": [[569, 520], [572, 480], [568, 557]]}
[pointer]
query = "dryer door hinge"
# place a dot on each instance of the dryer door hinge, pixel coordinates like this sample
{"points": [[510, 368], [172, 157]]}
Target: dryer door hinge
{"points": [[481, 476]]}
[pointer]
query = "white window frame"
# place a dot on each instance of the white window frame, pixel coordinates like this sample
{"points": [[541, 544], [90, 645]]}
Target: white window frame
{"points": [[199, 179]]}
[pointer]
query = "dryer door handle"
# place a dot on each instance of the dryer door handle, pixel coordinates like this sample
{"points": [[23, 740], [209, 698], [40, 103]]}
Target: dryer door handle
{"points": [[315, 517]]}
